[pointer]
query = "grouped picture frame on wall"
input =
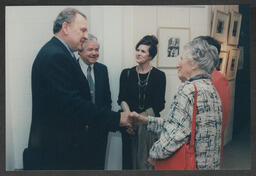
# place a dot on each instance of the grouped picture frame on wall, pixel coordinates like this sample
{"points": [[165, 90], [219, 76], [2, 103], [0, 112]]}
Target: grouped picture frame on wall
{"points": [[171, 42], [220, 26], [234, 30], [223, 60], [240, 65], [232, 63]]}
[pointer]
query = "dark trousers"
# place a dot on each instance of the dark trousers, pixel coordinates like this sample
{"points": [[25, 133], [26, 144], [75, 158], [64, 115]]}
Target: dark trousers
{"points": [[126, 150]]}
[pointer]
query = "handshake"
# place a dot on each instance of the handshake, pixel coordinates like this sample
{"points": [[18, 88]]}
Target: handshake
{"points": [[131, 120]]}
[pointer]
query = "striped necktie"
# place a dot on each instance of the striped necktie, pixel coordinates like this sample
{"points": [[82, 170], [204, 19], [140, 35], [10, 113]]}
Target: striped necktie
{"points": [[91, 83]]}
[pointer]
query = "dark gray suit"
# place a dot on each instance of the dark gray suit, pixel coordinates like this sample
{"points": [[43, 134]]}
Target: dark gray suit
{"points": [[98, 136], [61, 108]]}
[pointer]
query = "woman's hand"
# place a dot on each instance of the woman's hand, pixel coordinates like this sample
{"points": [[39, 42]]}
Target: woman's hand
{"points": [[151, 161], [138, 119], [131, 130]]}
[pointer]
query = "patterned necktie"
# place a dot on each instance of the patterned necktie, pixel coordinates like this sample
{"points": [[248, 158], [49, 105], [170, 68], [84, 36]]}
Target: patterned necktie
{"points": [[91, 83]]}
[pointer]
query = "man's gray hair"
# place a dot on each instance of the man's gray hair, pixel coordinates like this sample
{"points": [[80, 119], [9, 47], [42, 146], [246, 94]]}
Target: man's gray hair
{"points": [[200, 51], [91, 38], [66, 15]]}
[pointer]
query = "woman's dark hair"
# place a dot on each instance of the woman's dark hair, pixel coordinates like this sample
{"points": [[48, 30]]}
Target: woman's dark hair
{"points": [[151, 41]]}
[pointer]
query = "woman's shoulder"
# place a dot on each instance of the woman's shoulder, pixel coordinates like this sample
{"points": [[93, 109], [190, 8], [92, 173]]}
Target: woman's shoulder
{"points": [[201, 84], [127, 71], [186, 87], [157, 71]]}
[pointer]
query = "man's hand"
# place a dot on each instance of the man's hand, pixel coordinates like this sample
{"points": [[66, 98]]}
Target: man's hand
{"points": [[132, 119], [125, 119]]}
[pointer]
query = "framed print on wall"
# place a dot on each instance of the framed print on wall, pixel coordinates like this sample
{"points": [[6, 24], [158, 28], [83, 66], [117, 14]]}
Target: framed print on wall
{"points": [[232, 63], [240, 65], [234, 30], [220, 26], [171, 42], [223, 60]]}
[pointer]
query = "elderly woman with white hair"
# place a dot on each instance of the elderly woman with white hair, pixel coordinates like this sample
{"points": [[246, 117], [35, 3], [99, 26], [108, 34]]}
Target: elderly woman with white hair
{"points": [[195, 67]]}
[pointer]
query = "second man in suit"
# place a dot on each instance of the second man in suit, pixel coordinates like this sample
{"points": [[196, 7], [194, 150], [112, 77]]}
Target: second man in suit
{"points": [[97, 76]]}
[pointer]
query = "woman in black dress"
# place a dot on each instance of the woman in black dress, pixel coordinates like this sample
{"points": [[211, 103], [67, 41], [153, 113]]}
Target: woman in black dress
{"points": [[142, 89]]}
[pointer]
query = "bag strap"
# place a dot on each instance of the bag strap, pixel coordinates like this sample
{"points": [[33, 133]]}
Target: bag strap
{"points": [[192, 138]]}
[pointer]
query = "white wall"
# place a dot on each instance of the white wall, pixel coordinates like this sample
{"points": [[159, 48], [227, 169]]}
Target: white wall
{"points": [[118, 29], [113, 59]]}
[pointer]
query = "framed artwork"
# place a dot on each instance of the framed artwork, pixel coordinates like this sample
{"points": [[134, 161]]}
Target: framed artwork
{"points": [[223, 60], [241, 59], [234, 30], [232, 63], [171, 42], [220, 26]]}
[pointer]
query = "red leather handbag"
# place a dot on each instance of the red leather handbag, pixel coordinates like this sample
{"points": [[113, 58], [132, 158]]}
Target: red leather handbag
{"points": [[184, 158]]}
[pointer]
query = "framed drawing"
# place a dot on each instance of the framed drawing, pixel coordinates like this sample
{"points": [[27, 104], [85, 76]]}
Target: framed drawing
{"points": [[234, 30], [240, 65], [232, 63], [223, 60], [171, 42], [220, 26]]}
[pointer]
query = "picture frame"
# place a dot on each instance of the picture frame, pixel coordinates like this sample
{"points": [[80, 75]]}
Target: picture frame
{"points": [[232, 63], [240, 65], [235, 26], [220, 26], [223, 60], [171, 42]]}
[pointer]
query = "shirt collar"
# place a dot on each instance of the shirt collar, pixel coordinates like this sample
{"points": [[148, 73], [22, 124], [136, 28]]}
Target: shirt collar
{"points": [[84, 65], [201, 76], [72, 54]]}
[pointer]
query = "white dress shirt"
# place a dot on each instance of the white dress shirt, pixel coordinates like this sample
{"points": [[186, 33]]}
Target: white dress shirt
{"points": [[84, 67]]}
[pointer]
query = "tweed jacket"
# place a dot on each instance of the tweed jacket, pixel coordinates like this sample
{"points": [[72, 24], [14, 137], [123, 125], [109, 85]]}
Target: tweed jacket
{"points": [[175, 129]]}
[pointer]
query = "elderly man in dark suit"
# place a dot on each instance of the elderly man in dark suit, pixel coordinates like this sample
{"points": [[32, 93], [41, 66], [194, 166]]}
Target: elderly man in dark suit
{"points": [[97, 76], [62, 107]]}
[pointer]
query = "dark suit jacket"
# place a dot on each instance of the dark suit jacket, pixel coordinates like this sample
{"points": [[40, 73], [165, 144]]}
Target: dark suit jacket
{"points": [[61, 107], [97, 135], [102, 89]]}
